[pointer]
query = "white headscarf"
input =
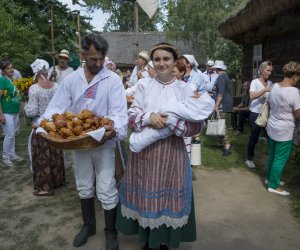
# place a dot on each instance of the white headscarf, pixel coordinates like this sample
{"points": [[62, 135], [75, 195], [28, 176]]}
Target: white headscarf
{"points": [[191, 59], [38, 65]]}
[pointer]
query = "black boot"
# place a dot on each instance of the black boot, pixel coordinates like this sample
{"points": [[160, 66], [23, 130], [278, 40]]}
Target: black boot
{"points": [[111, 234], [146, 247], [163, 247], [89, 220]]}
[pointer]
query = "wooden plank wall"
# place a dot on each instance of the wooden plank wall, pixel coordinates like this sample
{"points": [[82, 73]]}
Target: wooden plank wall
{"points": [[282, 49]]}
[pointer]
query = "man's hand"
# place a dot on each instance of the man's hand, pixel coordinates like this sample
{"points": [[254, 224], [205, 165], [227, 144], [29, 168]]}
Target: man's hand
{"points": [[235, 109], [54, 73], [158, 120], [140, 75], [109, 133]]}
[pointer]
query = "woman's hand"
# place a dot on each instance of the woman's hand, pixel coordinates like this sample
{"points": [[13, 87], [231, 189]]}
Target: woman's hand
{"points": [[216, 108], [2, 119], [158, 120], [196, 95]]}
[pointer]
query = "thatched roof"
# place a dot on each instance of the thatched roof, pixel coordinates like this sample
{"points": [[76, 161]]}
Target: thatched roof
{"points": [[253, 13], [123, 51]]}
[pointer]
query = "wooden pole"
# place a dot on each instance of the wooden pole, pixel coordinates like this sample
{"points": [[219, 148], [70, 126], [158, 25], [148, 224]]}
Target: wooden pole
{"points": [[79, 36], [136, 27], [52, 42]]}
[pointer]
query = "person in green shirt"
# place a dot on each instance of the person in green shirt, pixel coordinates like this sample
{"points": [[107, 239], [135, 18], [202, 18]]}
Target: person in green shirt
{"points": [[9, 112]]}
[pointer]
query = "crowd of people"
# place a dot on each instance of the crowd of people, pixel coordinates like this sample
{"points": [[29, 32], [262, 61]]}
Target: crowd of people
{"points": [[172, 99]]}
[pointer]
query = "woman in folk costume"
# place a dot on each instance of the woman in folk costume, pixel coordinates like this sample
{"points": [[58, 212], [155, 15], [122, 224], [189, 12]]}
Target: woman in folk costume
{"points": [[47, 163], [156, 199]]}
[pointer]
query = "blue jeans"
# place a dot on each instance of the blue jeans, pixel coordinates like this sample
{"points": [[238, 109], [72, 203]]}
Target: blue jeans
{"points": [[254, 135]]}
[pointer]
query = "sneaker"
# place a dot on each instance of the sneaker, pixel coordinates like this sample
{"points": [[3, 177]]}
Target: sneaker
{"points": [[250, 164], [7, 162], [280, 192], [227, 151], [267, 182], [16, 158]]}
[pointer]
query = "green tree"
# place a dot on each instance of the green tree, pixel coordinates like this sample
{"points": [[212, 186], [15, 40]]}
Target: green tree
{"points": [[121, 15], [25, 30], [197, 21]]}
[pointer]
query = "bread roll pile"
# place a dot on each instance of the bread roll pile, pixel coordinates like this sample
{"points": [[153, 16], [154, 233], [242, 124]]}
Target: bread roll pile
{"points": [[69, 125]]}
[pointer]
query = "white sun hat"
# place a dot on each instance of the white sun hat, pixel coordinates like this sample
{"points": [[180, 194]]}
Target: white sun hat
{"points": [[210, 63], [144, 55], [64, 53], [219, 65]]}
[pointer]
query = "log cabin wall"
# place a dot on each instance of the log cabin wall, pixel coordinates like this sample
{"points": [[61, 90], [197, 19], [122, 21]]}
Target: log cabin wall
{"points": [[282, 49], [247, 71]]}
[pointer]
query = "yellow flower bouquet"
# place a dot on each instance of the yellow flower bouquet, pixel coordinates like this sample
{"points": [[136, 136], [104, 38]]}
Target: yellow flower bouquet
{"points": [[23, 84]]}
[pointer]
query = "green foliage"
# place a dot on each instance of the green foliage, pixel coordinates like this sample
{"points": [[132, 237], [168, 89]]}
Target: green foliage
{"points": [[122, 16], [25, 31], [231, 54], [197, 21]]}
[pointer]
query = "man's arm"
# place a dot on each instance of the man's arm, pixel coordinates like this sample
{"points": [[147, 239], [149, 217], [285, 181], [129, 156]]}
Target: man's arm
{"points": [[118, 110]]}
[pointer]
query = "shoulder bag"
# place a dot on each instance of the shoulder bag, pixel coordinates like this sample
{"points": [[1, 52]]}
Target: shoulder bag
{"points": [[263, 115], [216, 125]]}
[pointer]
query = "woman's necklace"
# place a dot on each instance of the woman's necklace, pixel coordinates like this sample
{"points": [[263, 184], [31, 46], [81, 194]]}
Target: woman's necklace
{"points": [[165, 83]]}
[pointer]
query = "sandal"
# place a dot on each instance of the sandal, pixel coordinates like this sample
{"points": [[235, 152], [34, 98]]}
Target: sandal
{"points": [[43, 193]]}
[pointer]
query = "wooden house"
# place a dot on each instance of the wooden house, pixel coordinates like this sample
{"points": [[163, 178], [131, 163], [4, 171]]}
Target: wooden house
{"points": [[267, 30], [123, 47]]}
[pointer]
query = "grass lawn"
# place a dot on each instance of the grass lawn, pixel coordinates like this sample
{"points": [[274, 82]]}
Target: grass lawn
{"points": [[212, 158]]}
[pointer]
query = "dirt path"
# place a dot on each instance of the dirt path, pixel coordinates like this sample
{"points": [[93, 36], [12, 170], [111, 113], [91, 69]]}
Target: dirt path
{"points": [[233, 209], [234, 212]]}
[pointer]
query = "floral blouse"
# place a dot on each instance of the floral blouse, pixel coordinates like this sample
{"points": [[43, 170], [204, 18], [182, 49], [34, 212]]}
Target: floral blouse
{"points": [[39, 99]]}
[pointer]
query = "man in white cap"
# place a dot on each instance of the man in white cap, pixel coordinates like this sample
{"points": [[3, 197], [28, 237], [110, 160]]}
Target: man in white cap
{"points": [[210, 77], [141, 68], [151, 73], [193, 75], [62, 69], [224, 100]]}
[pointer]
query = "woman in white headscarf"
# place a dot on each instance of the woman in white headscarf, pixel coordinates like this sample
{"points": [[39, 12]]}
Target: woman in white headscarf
{"points": [[47, 163], [193, 75]]}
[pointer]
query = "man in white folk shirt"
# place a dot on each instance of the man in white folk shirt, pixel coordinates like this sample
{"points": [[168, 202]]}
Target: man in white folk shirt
{"points": [[62, 69], [95, 88], [141, 68]]}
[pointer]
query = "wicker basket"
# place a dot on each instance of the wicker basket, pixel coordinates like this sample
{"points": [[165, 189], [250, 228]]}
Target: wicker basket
{"points": [[80, 142]]}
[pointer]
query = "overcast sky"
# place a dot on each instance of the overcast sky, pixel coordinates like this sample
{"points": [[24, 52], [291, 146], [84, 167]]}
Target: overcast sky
{"points": [[99, 19]]}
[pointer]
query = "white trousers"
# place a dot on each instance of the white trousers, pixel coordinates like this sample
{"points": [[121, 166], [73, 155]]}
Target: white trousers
{"points": [[96, 164], [9, 130]]}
